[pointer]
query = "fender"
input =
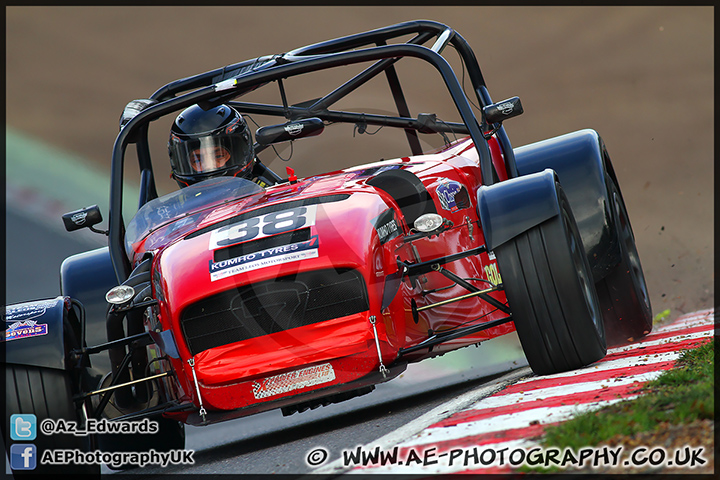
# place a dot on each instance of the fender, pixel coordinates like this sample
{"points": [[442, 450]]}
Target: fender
{"points": [[581, 163], [87, 277], [34, 333], [509, 208]]}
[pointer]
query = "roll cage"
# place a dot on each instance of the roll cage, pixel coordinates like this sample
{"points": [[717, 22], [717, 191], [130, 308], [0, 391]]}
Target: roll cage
{"points": [[225, 84]]}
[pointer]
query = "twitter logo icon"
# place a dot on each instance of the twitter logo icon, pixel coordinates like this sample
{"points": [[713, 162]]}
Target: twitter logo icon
{"points": [[23, 426]]}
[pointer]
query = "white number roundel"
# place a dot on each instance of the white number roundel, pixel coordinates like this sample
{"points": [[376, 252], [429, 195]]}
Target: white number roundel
{"points": [[263, 226]]}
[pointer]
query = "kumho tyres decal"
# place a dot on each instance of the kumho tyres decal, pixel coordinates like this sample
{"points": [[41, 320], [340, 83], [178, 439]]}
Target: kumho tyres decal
{"points": [[386, 226], [265, 258]]}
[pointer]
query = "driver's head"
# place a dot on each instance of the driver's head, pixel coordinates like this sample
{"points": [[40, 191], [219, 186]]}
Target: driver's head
{"points": [[209, 143]]}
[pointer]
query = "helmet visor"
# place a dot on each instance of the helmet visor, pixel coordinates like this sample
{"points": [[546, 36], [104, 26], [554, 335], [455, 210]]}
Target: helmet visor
{"points": [[209, 154]]}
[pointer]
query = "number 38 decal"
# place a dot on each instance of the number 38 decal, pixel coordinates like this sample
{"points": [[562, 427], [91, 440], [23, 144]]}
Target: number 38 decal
{"points": [[263, 226]]}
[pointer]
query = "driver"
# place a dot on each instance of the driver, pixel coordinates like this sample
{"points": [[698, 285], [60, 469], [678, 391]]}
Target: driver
{"points": [[212, 143]]}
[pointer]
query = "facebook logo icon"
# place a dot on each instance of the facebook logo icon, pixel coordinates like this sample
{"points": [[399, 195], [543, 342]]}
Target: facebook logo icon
{"points": [[23, 427], [23, 456]]}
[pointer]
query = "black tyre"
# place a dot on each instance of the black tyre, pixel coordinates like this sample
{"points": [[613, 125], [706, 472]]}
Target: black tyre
{"points": [[623, 295], [548, 284], [46, 393]]}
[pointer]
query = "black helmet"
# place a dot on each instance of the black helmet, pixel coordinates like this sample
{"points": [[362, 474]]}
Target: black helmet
{"points": [[210, 143]]}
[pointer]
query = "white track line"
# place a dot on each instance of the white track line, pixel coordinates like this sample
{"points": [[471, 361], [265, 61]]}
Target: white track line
{"points": [[433, 416], [560, 391], [419, 433]]}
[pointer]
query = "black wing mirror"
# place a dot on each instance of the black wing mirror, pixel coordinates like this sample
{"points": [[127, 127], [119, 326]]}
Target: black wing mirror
{"points": [[84, 218], [501, 111], [307, 127]]}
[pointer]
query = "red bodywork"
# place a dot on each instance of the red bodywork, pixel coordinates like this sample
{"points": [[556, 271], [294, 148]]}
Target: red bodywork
{"points": [[338, 354]]}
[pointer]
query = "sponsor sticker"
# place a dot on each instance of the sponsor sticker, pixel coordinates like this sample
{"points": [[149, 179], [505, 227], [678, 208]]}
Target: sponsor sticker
{"points": [[295, 380], [265, 258], [20, 320], [25, 329], [27, 311], [452, 195], [79, 218], [294, 128], [386, 226]]}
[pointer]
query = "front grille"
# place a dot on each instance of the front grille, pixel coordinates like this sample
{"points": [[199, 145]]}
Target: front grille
{"points": [[272, 306]]}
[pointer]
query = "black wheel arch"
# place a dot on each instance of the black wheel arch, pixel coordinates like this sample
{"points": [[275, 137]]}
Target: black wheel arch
{"points": [[510, 208], [86, 277], [51, 329], [582, 164]]}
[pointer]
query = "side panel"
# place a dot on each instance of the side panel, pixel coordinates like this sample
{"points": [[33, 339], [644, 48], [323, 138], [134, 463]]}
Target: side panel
{"points": [[33, 333], [578, 160]]}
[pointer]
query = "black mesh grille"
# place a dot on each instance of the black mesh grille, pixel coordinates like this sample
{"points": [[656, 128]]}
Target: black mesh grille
{"points": [[273, 306]]}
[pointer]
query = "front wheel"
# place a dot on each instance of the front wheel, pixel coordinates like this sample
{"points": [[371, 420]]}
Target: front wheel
{"points": [[47, 394], [548, 285], [623, 295]]}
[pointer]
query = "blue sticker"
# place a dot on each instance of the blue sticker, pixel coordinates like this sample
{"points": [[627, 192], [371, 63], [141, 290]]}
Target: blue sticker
{"points": [[452, 195]]}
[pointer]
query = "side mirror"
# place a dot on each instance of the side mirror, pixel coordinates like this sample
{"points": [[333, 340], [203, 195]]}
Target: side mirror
{"points": [[307, 127], [501, 111], [84, 218]]}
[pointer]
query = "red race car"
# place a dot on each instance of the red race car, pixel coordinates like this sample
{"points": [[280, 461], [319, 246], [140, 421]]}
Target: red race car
{"points": [[251, 291]]}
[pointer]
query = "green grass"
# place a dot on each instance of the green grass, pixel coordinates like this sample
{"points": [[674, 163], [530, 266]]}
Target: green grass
{"points": [[680, 395]]}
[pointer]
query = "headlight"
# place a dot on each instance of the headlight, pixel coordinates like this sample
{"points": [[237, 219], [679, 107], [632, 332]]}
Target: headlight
{"points": [[120, 294], [428, 222]]}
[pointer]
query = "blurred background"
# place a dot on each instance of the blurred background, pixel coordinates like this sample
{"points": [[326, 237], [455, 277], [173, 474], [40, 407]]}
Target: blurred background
{"points": [[642, 77]]}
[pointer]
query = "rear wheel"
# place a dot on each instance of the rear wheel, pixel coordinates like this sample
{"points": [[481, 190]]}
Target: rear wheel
{"points": [[47, 394], [548, 285], [623, 295]]}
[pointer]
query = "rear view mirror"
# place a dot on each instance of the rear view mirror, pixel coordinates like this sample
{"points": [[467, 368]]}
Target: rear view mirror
{"points": [[84, 218], [307, 127], [501, 111]]}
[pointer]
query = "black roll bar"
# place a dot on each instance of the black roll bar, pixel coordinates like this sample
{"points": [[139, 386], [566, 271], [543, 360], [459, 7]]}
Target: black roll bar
{"points": [[222, 85]]}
